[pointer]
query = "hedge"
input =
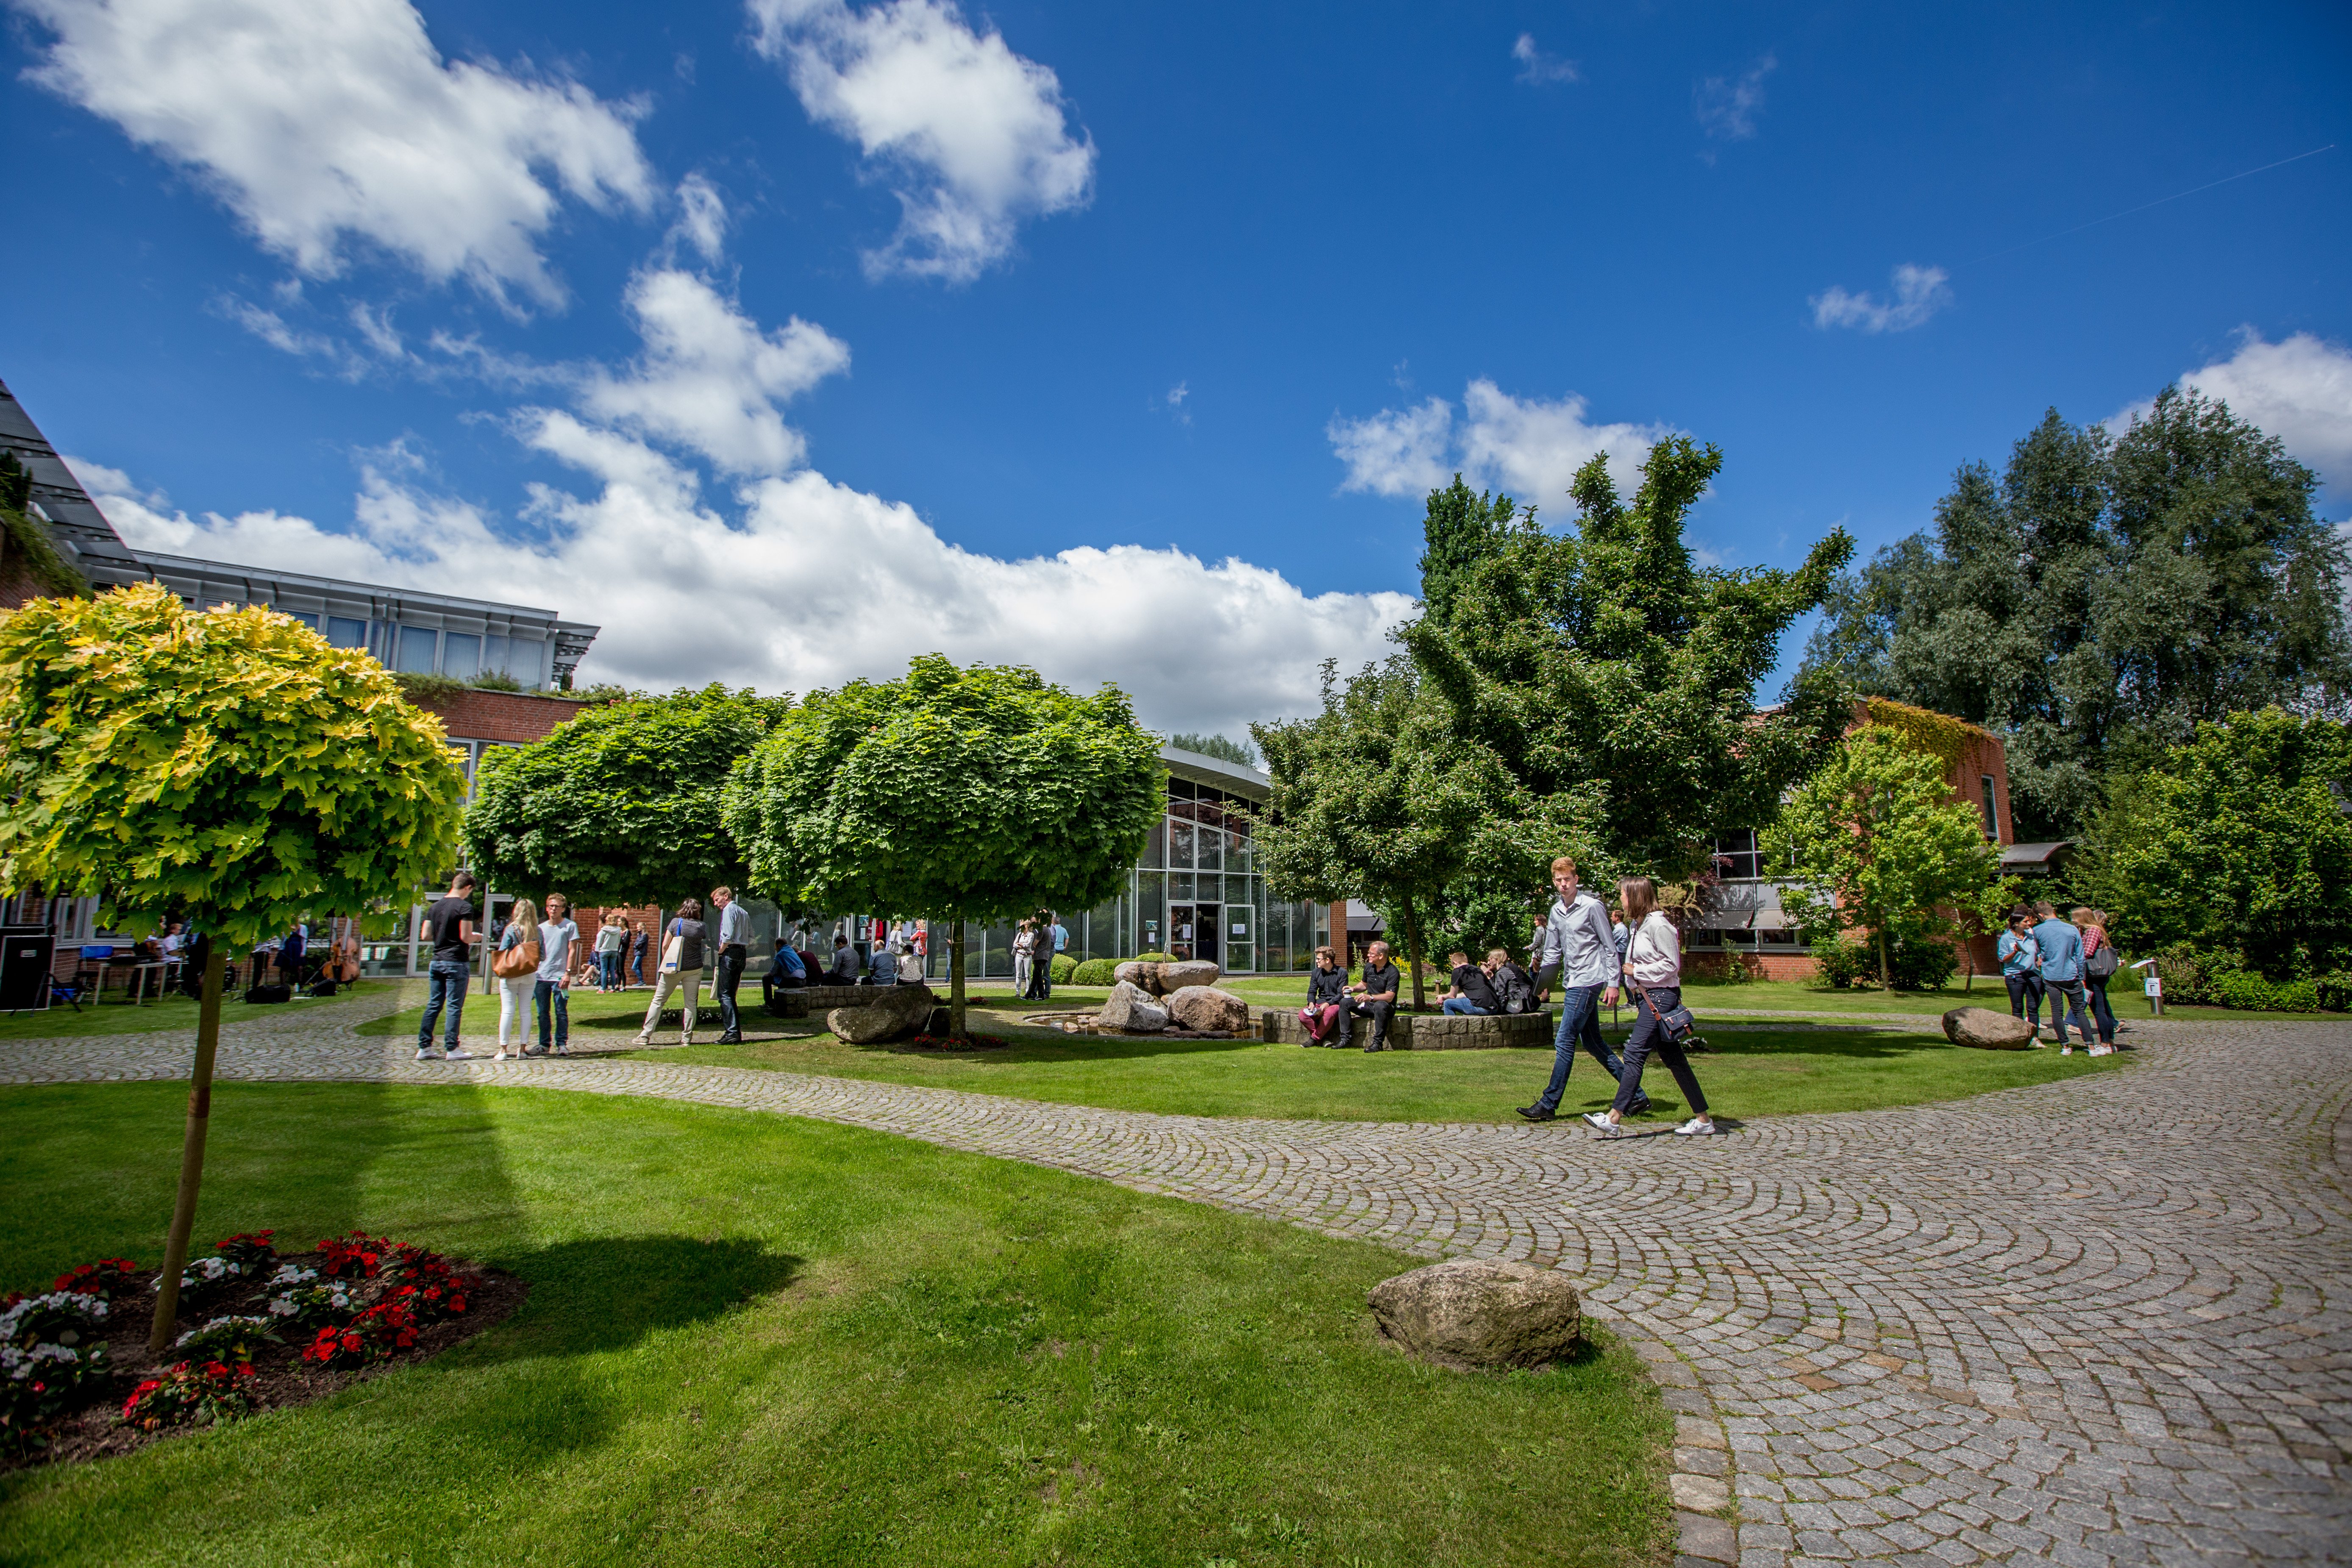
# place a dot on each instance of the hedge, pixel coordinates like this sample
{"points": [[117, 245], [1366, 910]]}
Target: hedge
{"points": [[1104, 972]]}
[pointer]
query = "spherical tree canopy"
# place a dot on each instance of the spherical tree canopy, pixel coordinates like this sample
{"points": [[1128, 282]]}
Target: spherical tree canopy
{"points": [[980, 793], [620, 805], [228, 765]]}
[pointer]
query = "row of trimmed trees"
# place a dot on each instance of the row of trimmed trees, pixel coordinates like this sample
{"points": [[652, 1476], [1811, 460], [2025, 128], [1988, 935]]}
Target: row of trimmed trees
{"points": [[233, 770]]}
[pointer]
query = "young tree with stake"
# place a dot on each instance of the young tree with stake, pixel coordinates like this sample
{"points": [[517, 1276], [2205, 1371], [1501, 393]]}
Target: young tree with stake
{"points": [[230, 767]]}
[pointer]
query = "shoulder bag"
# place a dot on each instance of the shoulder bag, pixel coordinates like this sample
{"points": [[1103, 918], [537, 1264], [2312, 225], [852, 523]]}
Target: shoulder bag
{"points": [[670, 951], [516, 961], [2103, 962]]}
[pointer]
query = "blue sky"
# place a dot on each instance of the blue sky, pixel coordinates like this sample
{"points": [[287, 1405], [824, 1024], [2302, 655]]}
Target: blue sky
{"points": [[1128, 337]]}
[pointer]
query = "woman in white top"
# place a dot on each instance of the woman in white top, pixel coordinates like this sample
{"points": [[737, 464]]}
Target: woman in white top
{"points": [[514, 994], [1653, 973]]}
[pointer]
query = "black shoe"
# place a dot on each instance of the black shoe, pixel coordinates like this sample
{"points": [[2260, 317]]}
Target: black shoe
{"points": [[731, 1040], [1535, 1113], [1641, 1103]]}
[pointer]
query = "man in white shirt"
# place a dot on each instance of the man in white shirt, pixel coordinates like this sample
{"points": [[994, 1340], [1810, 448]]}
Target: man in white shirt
{"points": [[1579, 950], [734, 948]]}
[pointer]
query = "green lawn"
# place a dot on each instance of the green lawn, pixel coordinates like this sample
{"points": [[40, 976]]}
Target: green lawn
{"points": [[113, 1016], [758, 1340]]}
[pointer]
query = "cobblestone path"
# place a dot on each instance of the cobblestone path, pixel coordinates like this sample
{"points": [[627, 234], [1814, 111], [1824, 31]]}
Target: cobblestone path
{"points": [[2098, 1321]]}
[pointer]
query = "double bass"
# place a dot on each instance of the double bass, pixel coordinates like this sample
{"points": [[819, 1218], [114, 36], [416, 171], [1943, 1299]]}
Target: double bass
{"points": [[342, 965]]}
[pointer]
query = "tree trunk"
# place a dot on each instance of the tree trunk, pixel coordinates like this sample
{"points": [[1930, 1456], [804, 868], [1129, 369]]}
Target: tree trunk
{"points": [[1413, 952], [955, 983], [192, 1151], [1885, 972]]}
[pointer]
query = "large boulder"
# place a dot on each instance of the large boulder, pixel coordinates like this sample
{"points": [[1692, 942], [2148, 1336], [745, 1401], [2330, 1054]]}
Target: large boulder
{"points": [[1987, 1030], [1178, 974], [896, 1010], [1135, 972], [1469, 1314], [1130, 1007], [1205, 1007]]}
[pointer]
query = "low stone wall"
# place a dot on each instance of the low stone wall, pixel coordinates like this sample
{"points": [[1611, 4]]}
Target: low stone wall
{"points": [[803, 1001], [1430, 1031]]}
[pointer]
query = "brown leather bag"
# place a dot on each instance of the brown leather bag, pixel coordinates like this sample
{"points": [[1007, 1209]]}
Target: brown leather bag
{"points": [[516, 961]]}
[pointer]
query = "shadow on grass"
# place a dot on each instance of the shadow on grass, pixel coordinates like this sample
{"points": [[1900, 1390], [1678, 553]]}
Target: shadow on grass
{"points": [[611, 1293]]}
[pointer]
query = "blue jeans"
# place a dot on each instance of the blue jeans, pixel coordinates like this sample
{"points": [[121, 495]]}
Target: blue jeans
{"points": [[1580, 1024], [540, 993], [448, 987], [2076, 1000], [1648, 1037], [1462, 1006]]}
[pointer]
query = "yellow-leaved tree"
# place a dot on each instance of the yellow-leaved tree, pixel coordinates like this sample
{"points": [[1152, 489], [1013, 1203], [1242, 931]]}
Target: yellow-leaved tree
{"points": [[227, 767]]}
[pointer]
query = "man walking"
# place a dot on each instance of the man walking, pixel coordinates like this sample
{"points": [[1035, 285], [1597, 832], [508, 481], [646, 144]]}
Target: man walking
{"points": [[449, 926], [2062, 975], [734, 948], [1579, 949], [1375, 998]]}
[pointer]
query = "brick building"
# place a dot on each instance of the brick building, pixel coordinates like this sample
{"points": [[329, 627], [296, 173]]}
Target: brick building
{"points": [[1745, 924]]}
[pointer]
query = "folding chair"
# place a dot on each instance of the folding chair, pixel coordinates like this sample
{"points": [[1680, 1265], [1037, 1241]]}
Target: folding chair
{"points": [[66, 991], [89, 975]]}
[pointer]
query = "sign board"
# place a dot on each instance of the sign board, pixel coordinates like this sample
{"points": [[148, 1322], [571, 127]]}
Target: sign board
{"points": [[1240, 928], [2152, 985]]}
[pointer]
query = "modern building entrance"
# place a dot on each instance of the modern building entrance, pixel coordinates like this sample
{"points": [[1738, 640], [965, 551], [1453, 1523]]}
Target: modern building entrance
{"points": [[1193, 932]]}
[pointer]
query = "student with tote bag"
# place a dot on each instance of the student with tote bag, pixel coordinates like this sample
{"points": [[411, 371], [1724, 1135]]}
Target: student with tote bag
{"points": [[515, 967], [681, 966]]}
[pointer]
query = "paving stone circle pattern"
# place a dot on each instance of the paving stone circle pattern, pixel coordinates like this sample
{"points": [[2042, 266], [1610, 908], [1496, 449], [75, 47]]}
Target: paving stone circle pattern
{"points": [[2100, 1321]]}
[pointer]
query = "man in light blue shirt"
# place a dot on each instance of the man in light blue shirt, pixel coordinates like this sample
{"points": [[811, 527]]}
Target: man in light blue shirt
{"points": [[556, 935], [1579, 949], [734, 950], [2062, 972]]}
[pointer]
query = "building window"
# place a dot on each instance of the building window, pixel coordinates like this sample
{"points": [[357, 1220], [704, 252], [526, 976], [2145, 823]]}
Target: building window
{"points": [[461, 655], [306, 619], [418, 651], [1736, 855], [1991, 810], [344, 632]]}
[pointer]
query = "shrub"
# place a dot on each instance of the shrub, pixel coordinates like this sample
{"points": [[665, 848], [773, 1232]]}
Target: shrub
{"points": [[1096, 971], [1064, 967], [1839, 963], [2198, 977], [214, 1391], [226, 1339], [1924, 965]]}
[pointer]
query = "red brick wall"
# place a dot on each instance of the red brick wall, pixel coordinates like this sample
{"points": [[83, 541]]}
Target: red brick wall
{"points": [[19, 586], [515, 718]]}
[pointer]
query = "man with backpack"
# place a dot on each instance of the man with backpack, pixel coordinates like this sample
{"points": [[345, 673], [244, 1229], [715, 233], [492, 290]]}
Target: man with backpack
{"points": [[1514, 988]]}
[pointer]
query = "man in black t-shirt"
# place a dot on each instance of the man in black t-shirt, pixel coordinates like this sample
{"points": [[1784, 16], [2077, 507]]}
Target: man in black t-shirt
{"points": [[1375, 997], [449, 926], [1473, 993]]}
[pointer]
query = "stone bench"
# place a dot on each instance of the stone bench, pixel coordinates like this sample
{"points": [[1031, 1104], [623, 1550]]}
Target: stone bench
{"points": [[1431, 1031]]}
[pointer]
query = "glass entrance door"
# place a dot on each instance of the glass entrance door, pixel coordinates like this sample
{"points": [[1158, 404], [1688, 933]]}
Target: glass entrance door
{"points": [[1181, 927], [1204, 932]]}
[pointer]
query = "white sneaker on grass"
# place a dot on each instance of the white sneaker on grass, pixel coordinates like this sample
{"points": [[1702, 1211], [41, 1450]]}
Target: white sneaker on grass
{"points": [[1697, 1127], [461, 1055]]}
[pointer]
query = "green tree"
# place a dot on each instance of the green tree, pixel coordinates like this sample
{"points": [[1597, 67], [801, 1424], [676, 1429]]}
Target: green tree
{"points": [[2237, 841], [2102, 598], [1874, 841], [230, 767], [1377, 797], [960, 794], [1459, 531], [620, 805], [1605, 665]]}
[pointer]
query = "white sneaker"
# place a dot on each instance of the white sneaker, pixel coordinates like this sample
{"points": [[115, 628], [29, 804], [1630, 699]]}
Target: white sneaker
{"points": [[2103, 1050], [1599, 1121], [461, 1055], [644, 1040], [501, 1055], [2065, 1051], [428, 1054], [1697, 1127]]}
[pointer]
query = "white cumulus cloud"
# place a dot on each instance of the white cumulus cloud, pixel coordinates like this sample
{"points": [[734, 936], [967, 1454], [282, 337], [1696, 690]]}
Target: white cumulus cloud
{"points": [[2298, 389], [972, 137], [812, 584], [710, 379], [1528, 447], [701, 218], [1919, 293], [322, 125]]}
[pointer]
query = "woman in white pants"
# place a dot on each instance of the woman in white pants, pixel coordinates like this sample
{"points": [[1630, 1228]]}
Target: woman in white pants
{"points": [[514, 994], [681, 966]]}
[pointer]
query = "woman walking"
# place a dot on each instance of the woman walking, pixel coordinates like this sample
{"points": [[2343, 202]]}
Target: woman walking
{"points": [[1654, 973], [681, 969], [2100, 962], [515, 988], [2021, 969]]}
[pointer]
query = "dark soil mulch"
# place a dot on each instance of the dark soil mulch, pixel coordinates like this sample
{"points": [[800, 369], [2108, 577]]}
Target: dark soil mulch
{"points": [[282, 1378]]}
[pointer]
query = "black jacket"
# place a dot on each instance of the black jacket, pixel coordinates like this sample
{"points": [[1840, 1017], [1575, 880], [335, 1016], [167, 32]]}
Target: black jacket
{"points": [[1514, 988], [1324, 989]]}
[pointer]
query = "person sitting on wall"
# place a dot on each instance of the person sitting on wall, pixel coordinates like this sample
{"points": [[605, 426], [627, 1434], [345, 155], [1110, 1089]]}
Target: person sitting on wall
{"points": [[1473, 993], [844, 962], [882, 968], [787, 971], [1327, 994], [910, 964], [1514, 988], [1375, 997]]}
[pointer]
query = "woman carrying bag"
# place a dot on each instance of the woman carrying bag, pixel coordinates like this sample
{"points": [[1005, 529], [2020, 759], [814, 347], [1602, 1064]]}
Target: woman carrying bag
{"points": [[515, 967], [681, 965], [1654, 973]]}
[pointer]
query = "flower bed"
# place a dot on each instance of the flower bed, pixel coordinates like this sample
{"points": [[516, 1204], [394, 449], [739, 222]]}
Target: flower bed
{"points": [[259, 1331]]}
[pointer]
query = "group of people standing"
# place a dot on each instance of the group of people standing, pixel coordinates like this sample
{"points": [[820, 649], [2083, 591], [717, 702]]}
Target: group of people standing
{"points": [[1036, 943], [2066, 960]]}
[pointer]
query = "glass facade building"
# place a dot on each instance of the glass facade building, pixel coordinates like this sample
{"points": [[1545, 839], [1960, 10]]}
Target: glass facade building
{"points": [[1194, 892]]}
